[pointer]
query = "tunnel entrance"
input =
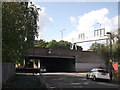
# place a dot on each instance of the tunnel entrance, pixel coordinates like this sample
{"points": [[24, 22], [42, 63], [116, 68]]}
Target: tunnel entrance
{"points": [[56, 63]]}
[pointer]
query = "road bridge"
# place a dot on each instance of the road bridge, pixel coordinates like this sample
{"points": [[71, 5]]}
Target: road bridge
{"points": [[62, 60]]}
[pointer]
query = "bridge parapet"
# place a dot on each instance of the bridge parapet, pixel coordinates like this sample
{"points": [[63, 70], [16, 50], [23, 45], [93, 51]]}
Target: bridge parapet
{"points": [[80, 56], [70, 60]]}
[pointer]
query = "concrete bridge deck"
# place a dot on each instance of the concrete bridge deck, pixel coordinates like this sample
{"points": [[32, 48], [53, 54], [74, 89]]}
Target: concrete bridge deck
{"points": [[66, 60]]}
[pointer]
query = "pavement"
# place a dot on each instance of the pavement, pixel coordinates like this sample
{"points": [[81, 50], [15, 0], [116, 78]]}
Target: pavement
{"points": [[116, 80], [26, 81], [75, 80], [30, 81]]}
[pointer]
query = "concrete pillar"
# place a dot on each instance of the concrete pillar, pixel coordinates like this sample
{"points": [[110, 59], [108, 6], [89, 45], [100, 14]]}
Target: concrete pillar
{"points": [[38, 63], [23, 62]]}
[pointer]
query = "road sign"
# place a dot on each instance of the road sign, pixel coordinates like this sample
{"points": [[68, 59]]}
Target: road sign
{"points": [[115, 66]]}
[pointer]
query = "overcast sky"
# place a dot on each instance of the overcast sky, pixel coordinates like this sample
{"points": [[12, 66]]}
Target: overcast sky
{"points": [[76, 18]]}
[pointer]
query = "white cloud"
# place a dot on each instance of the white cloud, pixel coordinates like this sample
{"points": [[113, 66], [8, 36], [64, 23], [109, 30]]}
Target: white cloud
{"points": [[88, 23], [114, 24], [50, 19], [44, 21], [72, 19], [72, 36]]}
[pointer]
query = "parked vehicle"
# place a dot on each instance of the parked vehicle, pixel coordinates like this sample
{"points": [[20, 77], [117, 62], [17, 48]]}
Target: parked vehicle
{"points": [[43, 69], [97, 73]]}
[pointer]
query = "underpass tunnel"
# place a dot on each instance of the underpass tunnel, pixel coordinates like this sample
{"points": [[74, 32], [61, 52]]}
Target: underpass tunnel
{"points": [[58, 64], [55, 64]]}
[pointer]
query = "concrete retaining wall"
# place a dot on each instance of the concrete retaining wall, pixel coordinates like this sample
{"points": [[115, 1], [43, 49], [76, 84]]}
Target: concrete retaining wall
{"points": [[8, 70], [80, 56], [84, 60], [0, 75], [87, 66]]}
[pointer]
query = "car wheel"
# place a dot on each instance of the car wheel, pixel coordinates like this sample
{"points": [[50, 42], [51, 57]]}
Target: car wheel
{"points": [[94, 78]]}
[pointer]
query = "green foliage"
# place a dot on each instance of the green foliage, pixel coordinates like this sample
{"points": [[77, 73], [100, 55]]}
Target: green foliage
{"points": [[19, 28], [54, 44], [40, 43], [96, 47], [116, 50], [104, 50], [59, 45], [101, 49]]}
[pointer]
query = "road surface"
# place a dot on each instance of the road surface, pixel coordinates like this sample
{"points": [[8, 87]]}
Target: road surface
{"points": [[75, 80], [23, 81]]}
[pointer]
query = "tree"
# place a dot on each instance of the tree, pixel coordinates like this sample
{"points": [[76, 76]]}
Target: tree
{"points": [[116, 50], [19, 28], [115, 39], [64, 44], [53, 44], [61, 45], [40, 43], [96, 47], [104, 50], [101, 49]]}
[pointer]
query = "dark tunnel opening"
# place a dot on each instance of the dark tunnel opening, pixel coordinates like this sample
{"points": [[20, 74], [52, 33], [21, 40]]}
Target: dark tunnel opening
{"points": [[58, 64], [55, 63]]}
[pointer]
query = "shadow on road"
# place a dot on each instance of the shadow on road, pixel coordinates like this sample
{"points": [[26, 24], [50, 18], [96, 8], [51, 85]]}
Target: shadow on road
{"points": [[23, 81]]}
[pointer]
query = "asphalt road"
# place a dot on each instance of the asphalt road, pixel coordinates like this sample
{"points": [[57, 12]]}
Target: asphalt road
{"points": [[75, 80], [23, 81]]}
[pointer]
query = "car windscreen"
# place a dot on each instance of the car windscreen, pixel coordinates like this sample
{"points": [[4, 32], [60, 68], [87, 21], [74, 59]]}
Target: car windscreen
{"points": [[102, 71]]}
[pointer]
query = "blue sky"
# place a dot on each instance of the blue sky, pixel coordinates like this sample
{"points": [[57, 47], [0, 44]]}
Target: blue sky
{"points": [[60, 14], [77, 8]]}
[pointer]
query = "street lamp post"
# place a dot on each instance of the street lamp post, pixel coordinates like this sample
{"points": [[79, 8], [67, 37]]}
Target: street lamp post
{"points": [[62, 34], [110, 54], [110, 49]]}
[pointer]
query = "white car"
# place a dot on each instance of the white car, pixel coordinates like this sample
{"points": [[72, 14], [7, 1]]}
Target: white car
{"points": [[42, 70], [98, 73]]}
